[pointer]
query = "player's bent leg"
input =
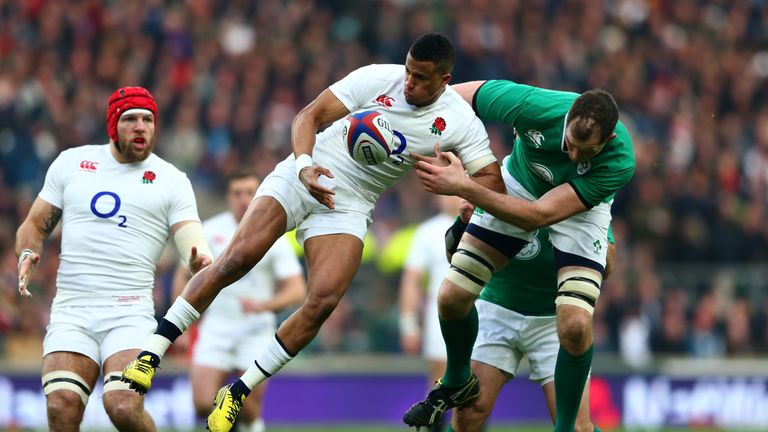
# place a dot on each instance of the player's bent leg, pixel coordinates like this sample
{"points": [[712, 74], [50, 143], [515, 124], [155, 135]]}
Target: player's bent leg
{"points": [[124, 407], [578, 291], [472, 417], [67, 380], [472, 265], [263, 223], [332, 262]]}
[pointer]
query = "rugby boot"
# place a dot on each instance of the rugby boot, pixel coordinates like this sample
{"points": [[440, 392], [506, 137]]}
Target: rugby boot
{"points": [[138, 374], [226, 407], [430, 411]]}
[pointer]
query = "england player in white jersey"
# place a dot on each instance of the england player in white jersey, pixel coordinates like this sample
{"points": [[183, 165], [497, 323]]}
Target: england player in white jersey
{"points": [[118, 204], [329, 198], [242, 318]]}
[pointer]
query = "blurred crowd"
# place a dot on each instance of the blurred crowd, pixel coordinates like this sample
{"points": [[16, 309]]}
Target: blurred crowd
{"points": [[690, 77]]}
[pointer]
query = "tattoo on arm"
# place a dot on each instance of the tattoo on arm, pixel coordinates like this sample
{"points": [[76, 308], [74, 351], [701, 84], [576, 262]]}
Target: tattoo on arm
{"points": [[51, 220]]}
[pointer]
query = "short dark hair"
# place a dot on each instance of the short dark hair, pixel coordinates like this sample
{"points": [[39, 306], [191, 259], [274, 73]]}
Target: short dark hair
{"points": [[241, 173], [598, 105], [435, 48]]}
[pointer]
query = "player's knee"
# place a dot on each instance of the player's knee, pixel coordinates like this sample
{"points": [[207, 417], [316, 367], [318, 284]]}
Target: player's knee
{"points": [[454, 302], [574, 330], [66, 395], [320, 306], [65, 409], [123, 408]]}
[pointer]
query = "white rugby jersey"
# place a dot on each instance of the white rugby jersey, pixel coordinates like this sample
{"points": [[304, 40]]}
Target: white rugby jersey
{"points": [[427, 254], [278, 263], [116, 220], [448, 121]]}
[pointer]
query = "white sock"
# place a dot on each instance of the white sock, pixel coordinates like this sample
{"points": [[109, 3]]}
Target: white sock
{"points": [[254, 426], [268, 363], [157, 345], [182, 314]]}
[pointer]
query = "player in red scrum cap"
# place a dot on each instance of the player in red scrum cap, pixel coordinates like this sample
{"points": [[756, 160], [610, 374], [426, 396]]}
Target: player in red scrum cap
{"points": [[119, 202]]}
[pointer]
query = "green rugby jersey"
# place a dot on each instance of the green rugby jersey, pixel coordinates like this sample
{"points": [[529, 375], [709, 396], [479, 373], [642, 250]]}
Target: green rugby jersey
{"points": [[527, 284], [539, 159]]}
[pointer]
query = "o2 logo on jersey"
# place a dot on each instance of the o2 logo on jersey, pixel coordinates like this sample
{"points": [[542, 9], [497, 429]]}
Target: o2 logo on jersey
{"points": [[103, 210], [396, 157]]}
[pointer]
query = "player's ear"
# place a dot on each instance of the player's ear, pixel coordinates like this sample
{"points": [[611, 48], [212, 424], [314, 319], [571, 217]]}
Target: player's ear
{"points": [[445, 79]]}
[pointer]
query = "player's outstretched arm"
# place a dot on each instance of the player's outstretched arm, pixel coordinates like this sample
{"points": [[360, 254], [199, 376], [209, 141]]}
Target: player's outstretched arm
{"points": [[39, 224], [325, 109], [558, 204]]}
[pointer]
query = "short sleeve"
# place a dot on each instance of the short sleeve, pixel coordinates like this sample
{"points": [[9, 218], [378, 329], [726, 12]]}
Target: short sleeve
{"points": [[55, 180], [475, 145], [358, 88], [183, 203], [501, 100]]}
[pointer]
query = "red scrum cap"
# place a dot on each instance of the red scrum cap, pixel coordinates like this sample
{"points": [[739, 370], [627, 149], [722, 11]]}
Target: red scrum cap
{"points": [[126, 98]]}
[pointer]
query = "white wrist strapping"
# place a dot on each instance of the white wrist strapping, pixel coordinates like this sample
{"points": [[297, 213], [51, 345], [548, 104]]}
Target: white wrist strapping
{"points": [[190, 235], [409, 323], [26, 253], [303, 161]]}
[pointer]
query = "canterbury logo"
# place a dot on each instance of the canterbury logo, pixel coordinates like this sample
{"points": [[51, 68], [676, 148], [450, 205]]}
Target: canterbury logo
{"points": [[384, 100], [88, 166]]}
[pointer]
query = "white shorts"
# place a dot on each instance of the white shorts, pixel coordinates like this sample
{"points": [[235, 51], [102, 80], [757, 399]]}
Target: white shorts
{"points": [[351, 215], [584, 234], [505, 336], [229, 347], [98, 332]]}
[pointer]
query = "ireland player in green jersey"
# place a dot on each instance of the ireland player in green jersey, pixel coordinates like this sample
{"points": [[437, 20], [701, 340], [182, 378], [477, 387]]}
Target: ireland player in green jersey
{"points": [[570, 157]]}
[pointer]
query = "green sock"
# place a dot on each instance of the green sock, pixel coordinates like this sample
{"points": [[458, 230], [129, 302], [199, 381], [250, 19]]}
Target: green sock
{"points": [[459, 336], [571, 374]]}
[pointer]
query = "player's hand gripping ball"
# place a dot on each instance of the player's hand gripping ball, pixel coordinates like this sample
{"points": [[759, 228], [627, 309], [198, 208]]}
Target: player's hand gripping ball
{"points": [[369, 138]]}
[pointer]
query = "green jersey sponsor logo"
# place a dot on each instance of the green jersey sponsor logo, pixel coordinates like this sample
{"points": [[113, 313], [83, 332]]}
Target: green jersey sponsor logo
{"points": [[598, 246]]}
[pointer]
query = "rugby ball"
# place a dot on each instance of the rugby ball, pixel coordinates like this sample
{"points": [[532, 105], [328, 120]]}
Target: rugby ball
{"points": [[368, 136]]}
